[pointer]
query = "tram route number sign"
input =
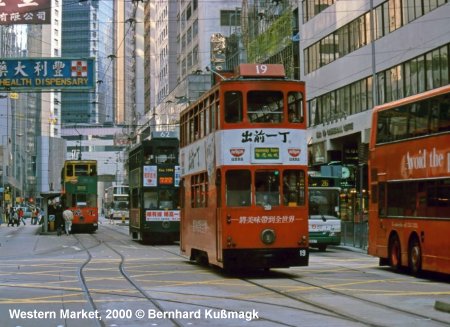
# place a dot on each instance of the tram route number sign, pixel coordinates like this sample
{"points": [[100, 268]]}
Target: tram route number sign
{"points": [[267, 153]]}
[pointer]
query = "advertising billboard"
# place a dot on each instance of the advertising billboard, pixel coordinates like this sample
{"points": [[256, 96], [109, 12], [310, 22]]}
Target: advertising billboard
{"points": [[14, 12], [33, 74]]}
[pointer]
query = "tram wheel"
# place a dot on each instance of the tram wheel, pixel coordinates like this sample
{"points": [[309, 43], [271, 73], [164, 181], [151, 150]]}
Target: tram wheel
{"points": [[415, 257], [395, 252]]}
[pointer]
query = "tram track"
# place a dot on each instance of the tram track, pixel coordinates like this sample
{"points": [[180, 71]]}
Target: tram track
{"points": [[326, 311], [316, 307], [123, 273], [262, 318], [336, 312]]}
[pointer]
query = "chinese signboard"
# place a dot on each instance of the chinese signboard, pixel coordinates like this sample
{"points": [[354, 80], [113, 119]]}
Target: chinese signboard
{"points": [[25, 12], [162, 215], [30, 74], [245, 147]]}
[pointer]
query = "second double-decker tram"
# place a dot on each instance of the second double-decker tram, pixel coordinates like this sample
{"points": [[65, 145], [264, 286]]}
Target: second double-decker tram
{"points": [[243, 162], [153, 183]]}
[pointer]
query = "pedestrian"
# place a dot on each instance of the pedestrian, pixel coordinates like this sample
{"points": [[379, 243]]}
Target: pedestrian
{"points": [[2, 214], [16, 217], [41, 215], [20, 215], [11, 217], [68, 217], [111, 216], [59, 221], [33, 216]]}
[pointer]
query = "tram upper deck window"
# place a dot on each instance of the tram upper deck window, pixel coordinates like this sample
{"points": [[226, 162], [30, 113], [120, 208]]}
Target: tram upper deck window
{"points": [[238, 188], [166, 155], [267, 188], [265, 106], [81, 170], [233, 107], [295, 107], [69, 170]]}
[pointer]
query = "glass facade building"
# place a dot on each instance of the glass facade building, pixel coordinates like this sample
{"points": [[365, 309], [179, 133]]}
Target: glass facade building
{"points": [[88, 31]]}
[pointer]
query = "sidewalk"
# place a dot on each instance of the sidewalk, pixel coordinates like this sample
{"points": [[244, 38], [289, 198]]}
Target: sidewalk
{"points": [[26, 240]]}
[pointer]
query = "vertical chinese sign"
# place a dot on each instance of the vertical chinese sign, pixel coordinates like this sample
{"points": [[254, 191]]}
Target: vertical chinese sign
{"points": [[25, 12], [28, 74]]}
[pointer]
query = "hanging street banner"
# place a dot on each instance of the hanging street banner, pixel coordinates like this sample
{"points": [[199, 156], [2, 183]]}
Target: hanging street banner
{"points": [[34, 74], [14, 12]]}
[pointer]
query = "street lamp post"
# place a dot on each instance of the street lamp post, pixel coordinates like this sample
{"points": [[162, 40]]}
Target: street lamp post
{"points": [[5, 149]]}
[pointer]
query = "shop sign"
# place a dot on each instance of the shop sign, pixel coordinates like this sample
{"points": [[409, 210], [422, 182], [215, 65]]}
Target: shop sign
{"points": [[31, 74], [13, 12]]}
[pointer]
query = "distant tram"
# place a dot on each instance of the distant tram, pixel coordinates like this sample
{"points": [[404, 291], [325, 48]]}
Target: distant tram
{"points": [[154, 176], [409, 164], [243, 161], [79, 179]]}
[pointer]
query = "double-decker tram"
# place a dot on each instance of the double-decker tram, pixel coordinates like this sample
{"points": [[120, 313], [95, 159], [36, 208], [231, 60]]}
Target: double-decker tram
{"points": [[154, 177], [409, 210], [244, 174], [116, 201], [324, 212], [79, 179]]}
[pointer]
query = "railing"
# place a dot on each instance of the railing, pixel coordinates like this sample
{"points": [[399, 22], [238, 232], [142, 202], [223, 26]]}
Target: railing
{"points": [[354, 234]]}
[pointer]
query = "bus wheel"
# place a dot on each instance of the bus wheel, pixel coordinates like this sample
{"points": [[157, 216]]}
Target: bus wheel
{"points": [[394, 253], [415, 257]]}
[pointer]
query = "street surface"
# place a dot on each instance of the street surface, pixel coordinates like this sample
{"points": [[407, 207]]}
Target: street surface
{"points": [[106, 279]]}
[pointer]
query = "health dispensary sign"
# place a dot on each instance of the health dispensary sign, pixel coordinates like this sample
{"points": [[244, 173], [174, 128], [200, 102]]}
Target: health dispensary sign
{"points": [[25, 12], [27, 74]]}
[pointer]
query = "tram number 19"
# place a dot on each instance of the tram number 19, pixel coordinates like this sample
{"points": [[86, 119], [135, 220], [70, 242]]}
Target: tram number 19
{"points": [[261, 69], [302, 253], [119, 314]]}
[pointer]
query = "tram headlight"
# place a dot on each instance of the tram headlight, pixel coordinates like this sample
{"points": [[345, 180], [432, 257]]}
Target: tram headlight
{"points": [[268, 236], [303, 240]]}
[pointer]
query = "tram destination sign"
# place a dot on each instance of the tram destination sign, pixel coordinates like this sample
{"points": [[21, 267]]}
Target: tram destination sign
{"points": [[25, 12], [34, 74], [268, 153]]}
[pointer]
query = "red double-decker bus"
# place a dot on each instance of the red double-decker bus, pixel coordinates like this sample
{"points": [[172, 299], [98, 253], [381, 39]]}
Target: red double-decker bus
{"points": [[243, 160], [409, 210]]}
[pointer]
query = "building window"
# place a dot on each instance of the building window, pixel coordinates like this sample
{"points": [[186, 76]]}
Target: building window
{"points": [[230, 18]]}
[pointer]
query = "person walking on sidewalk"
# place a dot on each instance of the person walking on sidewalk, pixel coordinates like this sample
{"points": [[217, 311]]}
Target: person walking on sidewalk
{"points": [[111, 216], [2, 214], [68, 217], [20, 214]]}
